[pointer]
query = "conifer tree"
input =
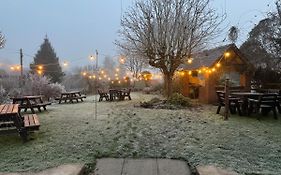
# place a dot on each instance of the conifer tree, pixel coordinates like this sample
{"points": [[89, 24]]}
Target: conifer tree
{"points": [[46, 62]]}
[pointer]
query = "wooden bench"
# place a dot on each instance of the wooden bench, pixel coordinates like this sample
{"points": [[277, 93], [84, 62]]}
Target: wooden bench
{"points": [[102, 95], [126, 93], [12, 122], [233, 103], [36, 105], [265, 103], [31, 122]]}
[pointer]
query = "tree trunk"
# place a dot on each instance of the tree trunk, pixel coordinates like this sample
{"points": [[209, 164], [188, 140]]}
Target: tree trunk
{"points": [[168, 79]]}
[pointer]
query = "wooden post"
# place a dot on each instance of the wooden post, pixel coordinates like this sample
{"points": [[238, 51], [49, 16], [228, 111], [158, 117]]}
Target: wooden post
{"points": [[226, 99], [21, 68]]}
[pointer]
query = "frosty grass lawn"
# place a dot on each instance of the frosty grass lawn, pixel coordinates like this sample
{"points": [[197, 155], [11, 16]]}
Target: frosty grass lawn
{"points": [[70, 134]]}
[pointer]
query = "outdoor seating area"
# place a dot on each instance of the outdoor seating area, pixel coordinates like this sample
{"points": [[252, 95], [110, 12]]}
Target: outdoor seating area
{"points": [[174, 87], [70, 97], [249, 103], [114, 94]]}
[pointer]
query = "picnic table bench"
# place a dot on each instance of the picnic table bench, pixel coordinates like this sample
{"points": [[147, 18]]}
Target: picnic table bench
{"points": [[119, 94], [11, 121], [70, 97], [103, 94], [30, 102]]}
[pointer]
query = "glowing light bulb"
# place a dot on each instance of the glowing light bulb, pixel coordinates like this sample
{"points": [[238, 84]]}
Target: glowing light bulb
{"points": [[218, 64], [226, 54]]}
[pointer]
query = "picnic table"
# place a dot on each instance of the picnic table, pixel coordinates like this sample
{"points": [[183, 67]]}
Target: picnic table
{"points": [[119, 94], [258, 98], [30, 102], [115, 94], [11, 121], [71, 96]]}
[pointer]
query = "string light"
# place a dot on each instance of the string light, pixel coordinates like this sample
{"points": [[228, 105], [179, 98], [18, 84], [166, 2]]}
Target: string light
{"points": [[92, 57], [39, 72], [226, 54], [40, 67], [189, 61], [122, 60], [65, 64]]}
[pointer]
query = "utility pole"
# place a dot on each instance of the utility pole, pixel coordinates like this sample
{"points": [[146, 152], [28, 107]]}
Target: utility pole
{"points": [[21, 68], [96, 86]]}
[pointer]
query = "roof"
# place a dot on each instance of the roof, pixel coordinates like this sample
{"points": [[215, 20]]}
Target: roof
{"points": [[208, 58]]}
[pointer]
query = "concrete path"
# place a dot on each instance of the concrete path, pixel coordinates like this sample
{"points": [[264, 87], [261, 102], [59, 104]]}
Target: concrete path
{"points": [[109, 166], [212, 170], [71, 169]]}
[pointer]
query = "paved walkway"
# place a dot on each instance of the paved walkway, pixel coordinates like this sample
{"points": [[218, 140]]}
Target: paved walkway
{"points": [[109, 166], [70, 169]]}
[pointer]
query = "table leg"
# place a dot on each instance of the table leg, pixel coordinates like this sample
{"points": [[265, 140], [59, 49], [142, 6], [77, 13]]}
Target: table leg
{"points": [[29, 105], [245, 104], [20, 126]]}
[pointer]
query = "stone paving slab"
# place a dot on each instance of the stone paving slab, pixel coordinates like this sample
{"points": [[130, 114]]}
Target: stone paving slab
{"points": [[140, 167], [70, 169], [211, 170], [110, 166], [167, 167]]}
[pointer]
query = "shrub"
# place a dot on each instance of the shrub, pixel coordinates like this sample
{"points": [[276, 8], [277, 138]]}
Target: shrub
{"points": [[15, 92], [3, 95], [151, 103], [179, 99], [53, 90], [38, 85]]}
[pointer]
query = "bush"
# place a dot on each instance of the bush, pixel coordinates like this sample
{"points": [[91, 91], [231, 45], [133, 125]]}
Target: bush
{"points": [[179, 100], [38, 85], [151, 103], [3, 95], [53, 90]]}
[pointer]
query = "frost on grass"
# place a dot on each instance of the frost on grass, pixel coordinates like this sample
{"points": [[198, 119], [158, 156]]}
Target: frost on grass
{"points": [[70, 134]]}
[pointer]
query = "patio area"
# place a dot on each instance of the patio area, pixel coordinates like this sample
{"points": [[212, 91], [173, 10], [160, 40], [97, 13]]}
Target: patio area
{"points": [[69, 133]]}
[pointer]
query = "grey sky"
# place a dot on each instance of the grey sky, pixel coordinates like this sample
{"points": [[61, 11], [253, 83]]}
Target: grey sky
{"points": [[76, 28]]}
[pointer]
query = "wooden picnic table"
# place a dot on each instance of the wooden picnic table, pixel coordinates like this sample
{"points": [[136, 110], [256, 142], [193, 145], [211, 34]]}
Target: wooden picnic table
{"points": [[115, 94], [119, 94], [71, 96], [11, 121], [245, 99], [30, 102]]}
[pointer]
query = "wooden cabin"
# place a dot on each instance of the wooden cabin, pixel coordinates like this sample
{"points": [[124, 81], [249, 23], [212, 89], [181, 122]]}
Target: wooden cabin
{"points": [[206, 72]]}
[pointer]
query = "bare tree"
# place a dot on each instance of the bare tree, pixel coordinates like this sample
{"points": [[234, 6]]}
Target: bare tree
{"points": [[134, 63], [2, 40], [233, 34], [109, 66], [166, 32]]}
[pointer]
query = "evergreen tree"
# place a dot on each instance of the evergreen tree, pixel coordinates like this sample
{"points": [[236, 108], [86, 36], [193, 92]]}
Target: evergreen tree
{"points": [[47, 63]]}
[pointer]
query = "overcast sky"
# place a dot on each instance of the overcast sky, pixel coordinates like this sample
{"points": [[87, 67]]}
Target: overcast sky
{"points": [[77, 28]]}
